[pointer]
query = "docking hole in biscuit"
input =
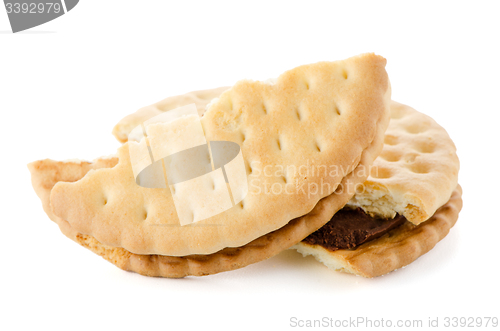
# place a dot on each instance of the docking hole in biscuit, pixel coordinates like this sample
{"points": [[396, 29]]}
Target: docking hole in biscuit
{"points": [[380, 172], [416, 128], [425, 146], [419, 168], [344, 73], [337, 110], [316, 144], [390, 156], [390, 140], [297, 113]]}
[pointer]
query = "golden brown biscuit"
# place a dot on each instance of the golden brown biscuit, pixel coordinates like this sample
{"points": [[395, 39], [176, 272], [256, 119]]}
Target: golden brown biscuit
{"points": [[416, 172], [395, 249], [46, 173], [415, 176], [325, 114]]}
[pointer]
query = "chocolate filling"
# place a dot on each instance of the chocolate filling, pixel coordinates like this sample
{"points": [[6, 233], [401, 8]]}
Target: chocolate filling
{"points": [[349, 228]]}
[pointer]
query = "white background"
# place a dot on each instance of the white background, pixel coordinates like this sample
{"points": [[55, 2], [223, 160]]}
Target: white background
{"points": [[64, 84]]}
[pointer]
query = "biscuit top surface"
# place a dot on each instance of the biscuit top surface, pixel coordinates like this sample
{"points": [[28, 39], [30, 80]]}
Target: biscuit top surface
{"points": [[416, 172], [319, 115]]}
